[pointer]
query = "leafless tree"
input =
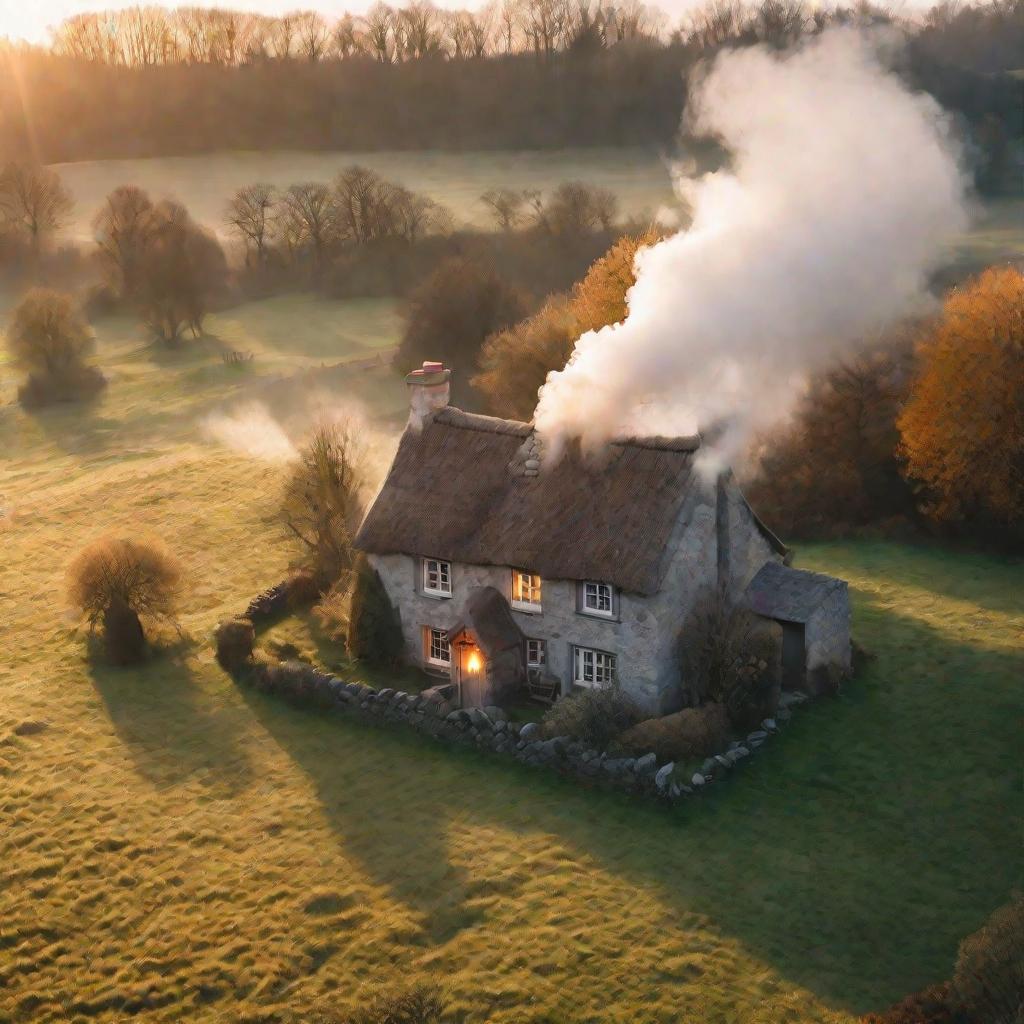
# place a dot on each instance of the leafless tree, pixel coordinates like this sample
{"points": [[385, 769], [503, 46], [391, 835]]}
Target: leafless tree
{"points": [[313, 35], [120, 228], [323, 499], [380, 26], [421, 34], [284, 31], [182, 269], [506, 206], [311, 209], [250, 211], [346, 37], [33, 201]]}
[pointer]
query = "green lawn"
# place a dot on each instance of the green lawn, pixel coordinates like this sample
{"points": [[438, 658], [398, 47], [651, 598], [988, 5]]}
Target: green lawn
{"points": [[174, 848]]}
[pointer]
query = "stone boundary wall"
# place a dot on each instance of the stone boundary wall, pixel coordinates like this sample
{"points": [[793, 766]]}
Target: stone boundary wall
{"points": [[432, 713]]}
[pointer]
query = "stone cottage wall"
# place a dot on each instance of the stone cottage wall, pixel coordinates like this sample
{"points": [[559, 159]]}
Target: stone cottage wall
{"points": [[748, 549], [643, 637], [827, 633]]}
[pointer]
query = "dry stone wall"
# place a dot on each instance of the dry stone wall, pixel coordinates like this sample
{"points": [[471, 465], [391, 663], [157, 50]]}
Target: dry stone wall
{"points": [[432, 713]]}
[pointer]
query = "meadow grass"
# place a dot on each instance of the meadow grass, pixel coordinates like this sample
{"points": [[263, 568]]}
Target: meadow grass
{"points": [[175, 848]]}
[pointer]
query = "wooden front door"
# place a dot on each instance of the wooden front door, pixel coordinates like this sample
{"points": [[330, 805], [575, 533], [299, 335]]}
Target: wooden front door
{"points": [[794, 656], [471, 683]]}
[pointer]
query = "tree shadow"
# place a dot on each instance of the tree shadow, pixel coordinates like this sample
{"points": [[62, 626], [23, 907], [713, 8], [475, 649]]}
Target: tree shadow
{"points": [[851, 855], [172, 727]]}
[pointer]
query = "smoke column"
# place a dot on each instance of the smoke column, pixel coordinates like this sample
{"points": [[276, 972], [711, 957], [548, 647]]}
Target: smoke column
{"points": [[843, 190]]}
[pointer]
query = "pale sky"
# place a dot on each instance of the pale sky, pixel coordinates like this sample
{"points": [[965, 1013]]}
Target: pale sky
{"points": [[30, 19]]}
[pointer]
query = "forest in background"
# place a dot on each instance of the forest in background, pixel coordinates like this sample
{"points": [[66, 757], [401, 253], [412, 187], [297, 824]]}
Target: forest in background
{"points": [[522, 74]]}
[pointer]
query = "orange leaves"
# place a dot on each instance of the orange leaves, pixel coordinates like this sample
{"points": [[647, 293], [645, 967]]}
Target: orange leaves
{"points": [[963, 426]]}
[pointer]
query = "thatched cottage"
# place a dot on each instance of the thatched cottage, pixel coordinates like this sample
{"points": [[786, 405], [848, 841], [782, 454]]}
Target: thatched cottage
{"points": [[507, 575]]}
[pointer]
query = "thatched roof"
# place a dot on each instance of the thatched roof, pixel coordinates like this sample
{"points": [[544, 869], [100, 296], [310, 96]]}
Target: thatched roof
{"points": [[464, 489], [793, 595]]}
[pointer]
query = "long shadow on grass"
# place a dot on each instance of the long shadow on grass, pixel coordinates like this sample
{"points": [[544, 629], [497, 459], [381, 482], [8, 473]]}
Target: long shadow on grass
{"points": [[168, 725], [851, 856]]}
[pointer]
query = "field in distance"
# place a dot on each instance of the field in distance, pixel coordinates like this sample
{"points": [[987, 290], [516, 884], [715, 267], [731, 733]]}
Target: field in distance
{"points": [[640, 177]]}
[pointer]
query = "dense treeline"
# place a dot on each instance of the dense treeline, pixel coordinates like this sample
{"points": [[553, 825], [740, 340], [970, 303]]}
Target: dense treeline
{"points": [[522, 74]]}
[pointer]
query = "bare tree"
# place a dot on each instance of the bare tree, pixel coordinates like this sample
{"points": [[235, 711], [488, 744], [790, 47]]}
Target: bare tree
{"points": [[33, 201], [421, 34], [311, 209], [182, 269], [283, 35], [506, 206], [361, 204], [323, 499], [313, 35], [120, 228], [250, 211], [346, 37], [380, 26]]}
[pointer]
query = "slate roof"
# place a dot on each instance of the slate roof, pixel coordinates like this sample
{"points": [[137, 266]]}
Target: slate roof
{"points": [[460, 489], [793, 595]]}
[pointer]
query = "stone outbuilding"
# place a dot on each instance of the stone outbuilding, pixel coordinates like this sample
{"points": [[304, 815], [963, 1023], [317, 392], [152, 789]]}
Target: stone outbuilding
{"points": [[814, 613], [505, 569]]}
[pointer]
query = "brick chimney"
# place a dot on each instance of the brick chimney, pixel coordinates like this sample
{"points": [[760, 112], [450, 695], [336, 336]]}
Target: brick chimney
{"points": [[428, 390]]}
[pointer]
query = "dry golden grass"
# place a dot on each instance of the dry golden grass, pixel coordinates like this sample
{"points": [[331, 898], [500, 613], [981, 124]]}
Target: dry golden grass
{"points": [[174, 848]]}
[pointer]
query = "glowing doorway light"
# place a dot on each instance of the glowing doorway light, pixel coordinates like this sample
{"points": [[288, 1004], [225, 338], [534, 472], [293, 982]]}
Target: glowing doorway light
{"points": [[474, 662]]}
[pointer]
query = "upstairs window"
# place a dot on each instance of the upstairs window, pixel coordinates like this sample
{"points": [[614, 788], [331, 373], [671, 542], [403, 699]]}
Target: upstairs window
{"points": [[597, 599], [592, 668], [439, 651], [437, 577], [525, 591], [536, 654]]}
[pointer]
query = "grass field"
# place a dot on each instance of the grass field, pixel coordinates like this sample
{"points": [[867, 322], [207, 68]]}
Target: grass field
{"points": [[639, 177], [173, 848]]}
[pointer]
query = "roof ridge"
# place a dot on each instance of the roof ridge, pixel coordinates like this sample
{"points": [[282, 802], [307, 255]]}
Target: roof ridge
{"points": [[454, 417]]}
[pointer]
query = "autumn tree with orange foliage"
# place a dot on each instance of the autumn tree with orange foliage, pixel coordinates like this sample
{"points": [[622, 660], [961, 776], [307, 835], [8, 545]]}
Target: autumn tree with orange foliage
{"points": [[514, 363], [962, 428]]}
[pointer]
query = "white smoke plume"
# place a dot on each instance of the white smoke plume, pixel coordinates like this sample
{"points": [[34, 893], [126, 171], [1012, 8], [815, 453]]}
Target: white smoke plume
{"points": [[843, 189], [251, 430]]}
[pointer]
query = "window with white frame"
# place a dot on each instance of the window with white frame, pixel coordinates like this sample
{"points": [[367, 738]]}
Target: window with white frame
{"points": [[439, 651], [592, 668], [536, 653], [598, 599], [437, 577], [525, 591]]}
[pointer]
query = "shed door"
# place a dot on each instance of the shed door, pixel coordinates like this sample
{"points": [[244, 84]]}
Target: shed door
{"points": [[794, 656]]}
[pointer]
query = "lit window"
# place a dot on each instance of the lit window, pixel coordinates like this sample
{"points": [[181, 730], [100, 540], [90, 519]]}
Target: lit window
{"points": [[593, 668], [536, 653], [437, 577], [598, 599], [525, 591], [439, 653]]}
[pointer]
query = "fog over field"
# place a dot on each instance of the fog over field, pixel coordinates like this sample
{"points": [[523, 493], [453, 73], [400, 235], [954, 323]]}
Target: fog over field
{"points": [[639, 177]]}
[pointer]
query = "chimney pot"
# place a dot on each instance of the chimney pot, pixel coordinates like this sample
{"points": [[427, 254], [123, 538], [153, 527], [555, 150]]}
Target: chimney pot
{"points": [[429, 388]]}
